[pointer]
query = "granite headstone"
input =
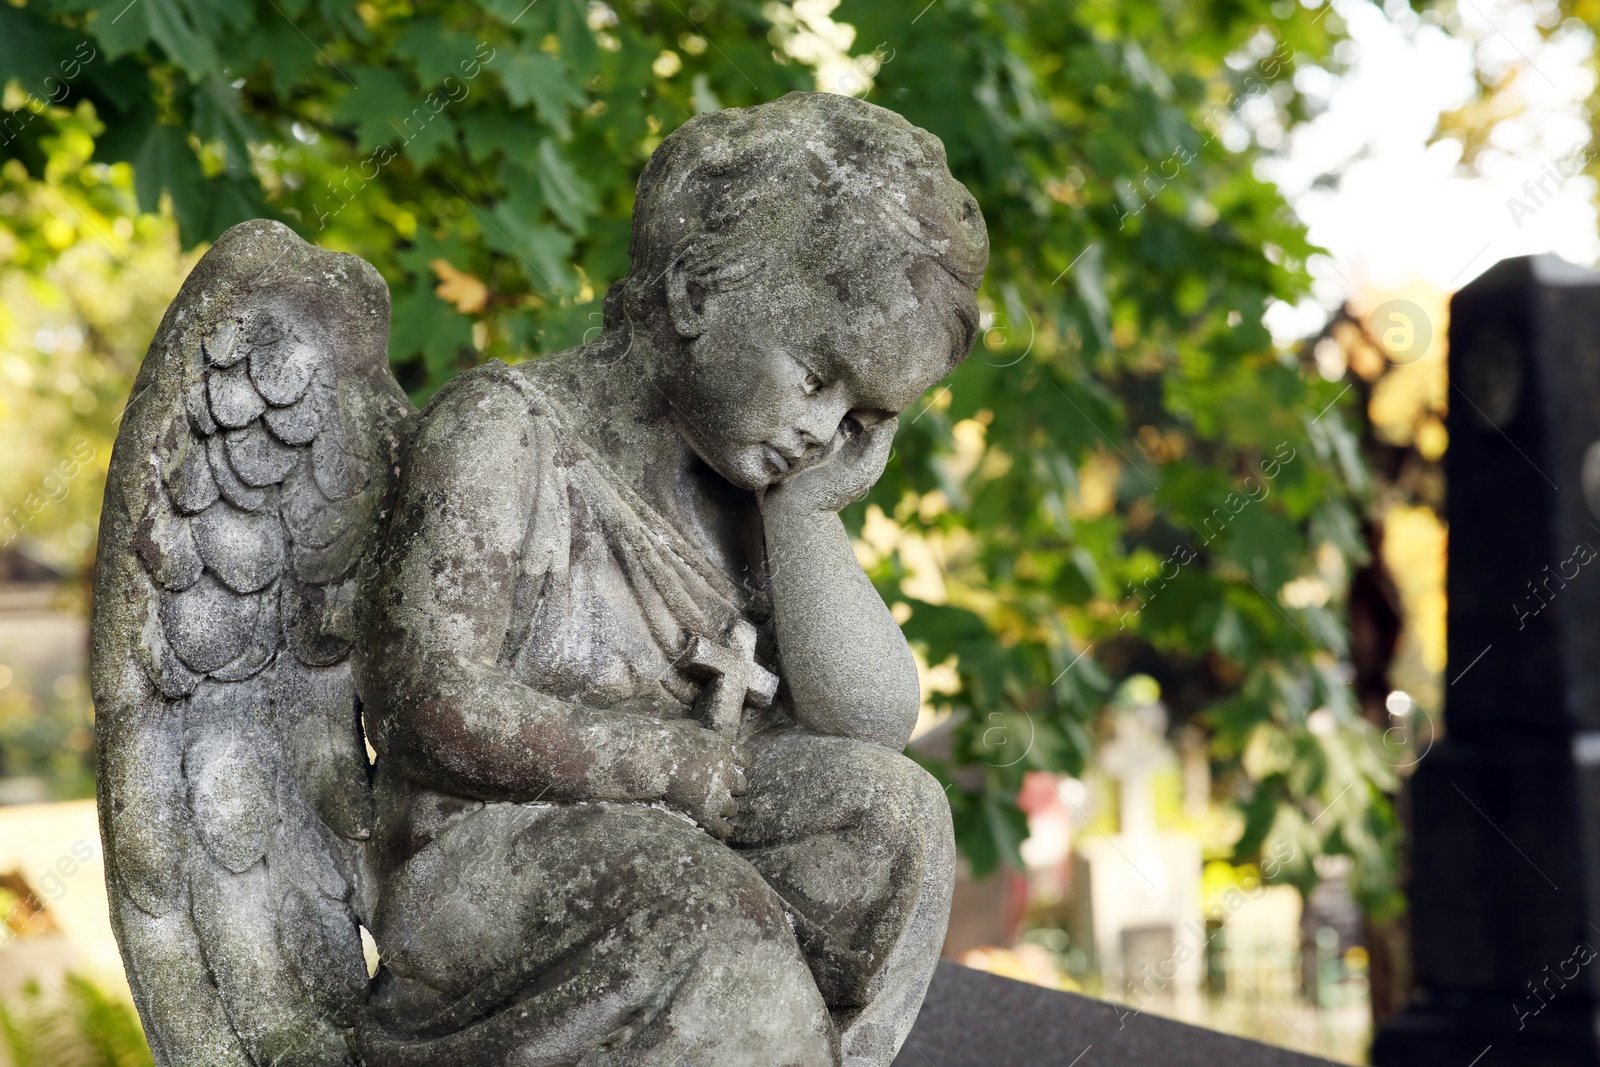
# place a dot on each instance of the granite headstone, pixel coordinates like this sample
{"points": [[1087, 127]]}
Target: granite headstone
{"points": [[1505, 894]]}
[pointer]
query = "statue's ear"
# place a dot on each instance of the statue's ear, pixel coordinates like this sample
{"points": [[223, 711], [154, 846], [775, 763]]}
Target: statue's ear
{"points": [[686, 301]]}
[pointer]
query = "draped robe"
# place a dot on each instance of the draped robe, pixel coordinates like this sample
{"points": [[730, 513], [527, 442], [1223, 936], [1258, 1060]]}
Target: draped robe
{"points": [[612, 934]]}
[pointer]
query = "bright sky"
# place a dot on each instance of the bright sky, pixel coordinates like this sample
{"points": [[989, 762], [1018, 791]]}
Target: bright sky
{"points": [[1405, 211]]}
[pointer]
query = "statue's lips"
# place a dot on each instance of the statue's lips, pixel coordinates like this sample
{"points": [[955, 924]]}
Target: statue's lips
{"points": [[775, 459]]}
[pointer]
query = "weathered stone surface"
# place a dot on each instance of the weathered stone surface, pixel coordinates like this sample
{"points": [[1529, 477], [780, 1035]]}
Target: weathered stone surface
{"points": [[638, 795]]}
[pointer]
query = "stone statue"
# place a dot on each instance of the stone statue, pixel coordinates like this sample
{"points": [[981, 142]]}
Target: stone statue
{"points": [[565, 698]]}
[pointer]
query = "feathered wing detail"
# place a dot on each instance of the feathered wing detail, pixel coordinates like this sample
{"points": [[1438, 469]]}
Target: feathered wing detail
{"points": [[254, 464]]}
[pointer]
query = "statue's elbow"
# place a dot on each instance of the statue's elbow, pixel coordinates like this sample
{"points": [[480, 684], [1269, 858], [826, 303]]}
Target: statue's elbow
{"points": [[899, 721], [881, 715], [891, 731]]}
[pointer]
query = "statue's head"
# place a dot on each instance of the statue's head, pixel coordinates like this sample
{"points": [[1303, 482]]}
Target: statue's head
{"points": [[796, 265]]}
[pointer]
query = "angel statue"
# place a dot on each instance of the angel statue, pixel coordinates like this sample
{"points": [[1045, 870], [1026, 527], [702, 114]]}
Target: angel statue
{"points": [[555, 724]]}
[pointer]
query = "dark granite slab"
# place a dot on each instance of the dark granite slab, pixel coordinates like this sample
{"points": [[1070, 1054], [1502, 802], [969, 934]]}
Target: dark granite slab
{"points": [[973, 1019], [1505, 810]]}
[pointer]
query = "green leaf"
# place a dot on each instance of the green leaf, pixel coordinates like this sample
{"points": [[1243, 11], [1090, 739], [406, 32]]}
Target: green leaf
{"points": [[1008, 828], [218, 116], [579, 49], [437, 51], [232, 199], [973, 831], [122, 26], [170, 27], [492, 132], [375, 105], [166, 163], [515, 228], [425, 325], [425, 130], [519, 13], [126, 134], [570, 198], [34, 53], [542, 80], [1088, 278], [286, 52], [1262, 542], [344, 17]]}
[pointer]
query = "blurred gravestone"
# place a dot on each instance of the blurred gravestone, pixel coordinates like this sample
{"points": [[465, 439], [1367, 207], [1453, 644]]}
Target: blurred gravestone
{"points": [[1136, 895], [1506, 810], [973, 1019]]}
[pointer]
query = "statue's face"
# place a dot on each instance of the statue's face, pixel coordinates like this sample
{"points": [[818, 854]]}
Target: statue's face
{"points": [[779, 365]]}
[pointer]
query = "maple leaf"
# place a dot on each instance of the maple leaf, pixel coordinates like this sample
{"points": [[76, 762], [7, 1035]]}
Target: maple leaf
{"points": [[465, 292]]}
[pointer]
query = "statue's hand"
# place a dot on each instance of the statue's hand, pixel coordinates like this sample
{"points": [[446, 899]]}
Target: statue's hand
{"points": [[707, 775], [849, 466]]}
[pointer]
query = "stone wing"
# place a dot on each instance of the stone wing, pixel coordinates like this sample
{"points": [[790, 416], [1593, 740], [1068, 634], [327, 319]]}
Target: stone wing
{"points": [[255, 462]]}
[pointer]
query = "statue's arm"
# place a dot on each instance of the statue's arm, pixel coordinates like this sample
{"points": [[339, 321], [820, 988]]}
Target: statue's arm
{"points": [[438, 705], [847, 665]]}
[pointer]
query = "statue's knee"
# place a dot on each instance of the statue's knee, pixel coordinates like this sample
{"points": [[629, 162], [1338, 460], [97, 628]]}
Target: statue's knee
{"points": [[928, 795], [909, 805], [727, 904]]}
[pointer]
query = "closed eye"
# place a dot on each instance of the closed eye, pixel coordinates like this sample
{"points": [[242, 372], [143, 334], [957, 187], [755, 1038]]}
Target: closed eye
{"points": [[867, 418]]}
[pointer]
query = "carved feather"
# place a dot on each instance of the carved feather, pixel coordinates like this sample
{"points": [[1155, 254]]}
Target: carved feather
{"points": [[230, 788], [313, 520], [257, 457], [199, 409], [221, 347], [340, 473], [141, 799], [190, 483], [314, 929], [207, 624], [169, 674], [306, 613], [282, 370], [244, 549], [234, 400], [166, 547], [298, 423], [309, 708], [235, 491], [263, 643], [266, 1003]]}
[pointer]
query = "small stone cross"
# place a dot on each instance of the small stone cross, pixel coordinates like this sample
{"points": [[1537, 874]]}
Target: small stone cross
{"points": [[732, 677]]}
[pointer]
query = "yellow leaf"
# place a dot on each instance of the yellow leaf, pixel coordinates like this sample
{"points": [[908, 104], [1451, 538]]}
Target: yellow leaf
{"points": [[465, 292]]}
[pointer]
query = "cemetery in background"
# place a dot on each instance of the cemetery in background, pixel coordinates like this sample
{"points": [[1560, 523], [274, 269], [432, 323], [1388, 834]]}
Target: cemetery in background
{"points": [[1176, 581]]}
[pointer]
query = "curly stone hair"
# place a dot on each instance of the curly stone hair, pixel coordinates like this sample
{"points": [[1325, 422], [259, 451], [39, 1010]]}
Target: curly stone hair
{"points": [[828, 181]]}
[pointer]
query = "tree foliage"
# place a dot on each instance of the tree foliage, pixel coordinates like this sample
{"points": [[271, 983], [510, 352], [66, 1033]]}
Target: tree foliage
{"points": [[1127, 477], [75, 1026]]}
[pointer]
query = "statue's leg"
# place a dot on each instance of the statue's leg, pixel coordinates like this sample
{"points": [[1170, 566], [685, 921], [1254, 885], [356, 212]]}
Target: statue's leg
{"points": [[596, 934], [858, 842]]}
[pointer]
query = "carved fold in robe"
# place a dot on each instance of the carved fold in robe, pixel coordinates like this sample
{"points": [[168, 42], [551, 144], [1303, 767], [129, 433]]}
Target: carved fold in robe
{"points": [[610, 591], [615, 934]]}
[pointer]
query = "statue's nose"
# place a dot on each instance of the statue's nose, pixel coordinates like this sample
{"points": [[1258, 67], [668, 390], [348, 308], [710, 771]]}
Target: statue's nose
{"points": [[816, 429]]}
